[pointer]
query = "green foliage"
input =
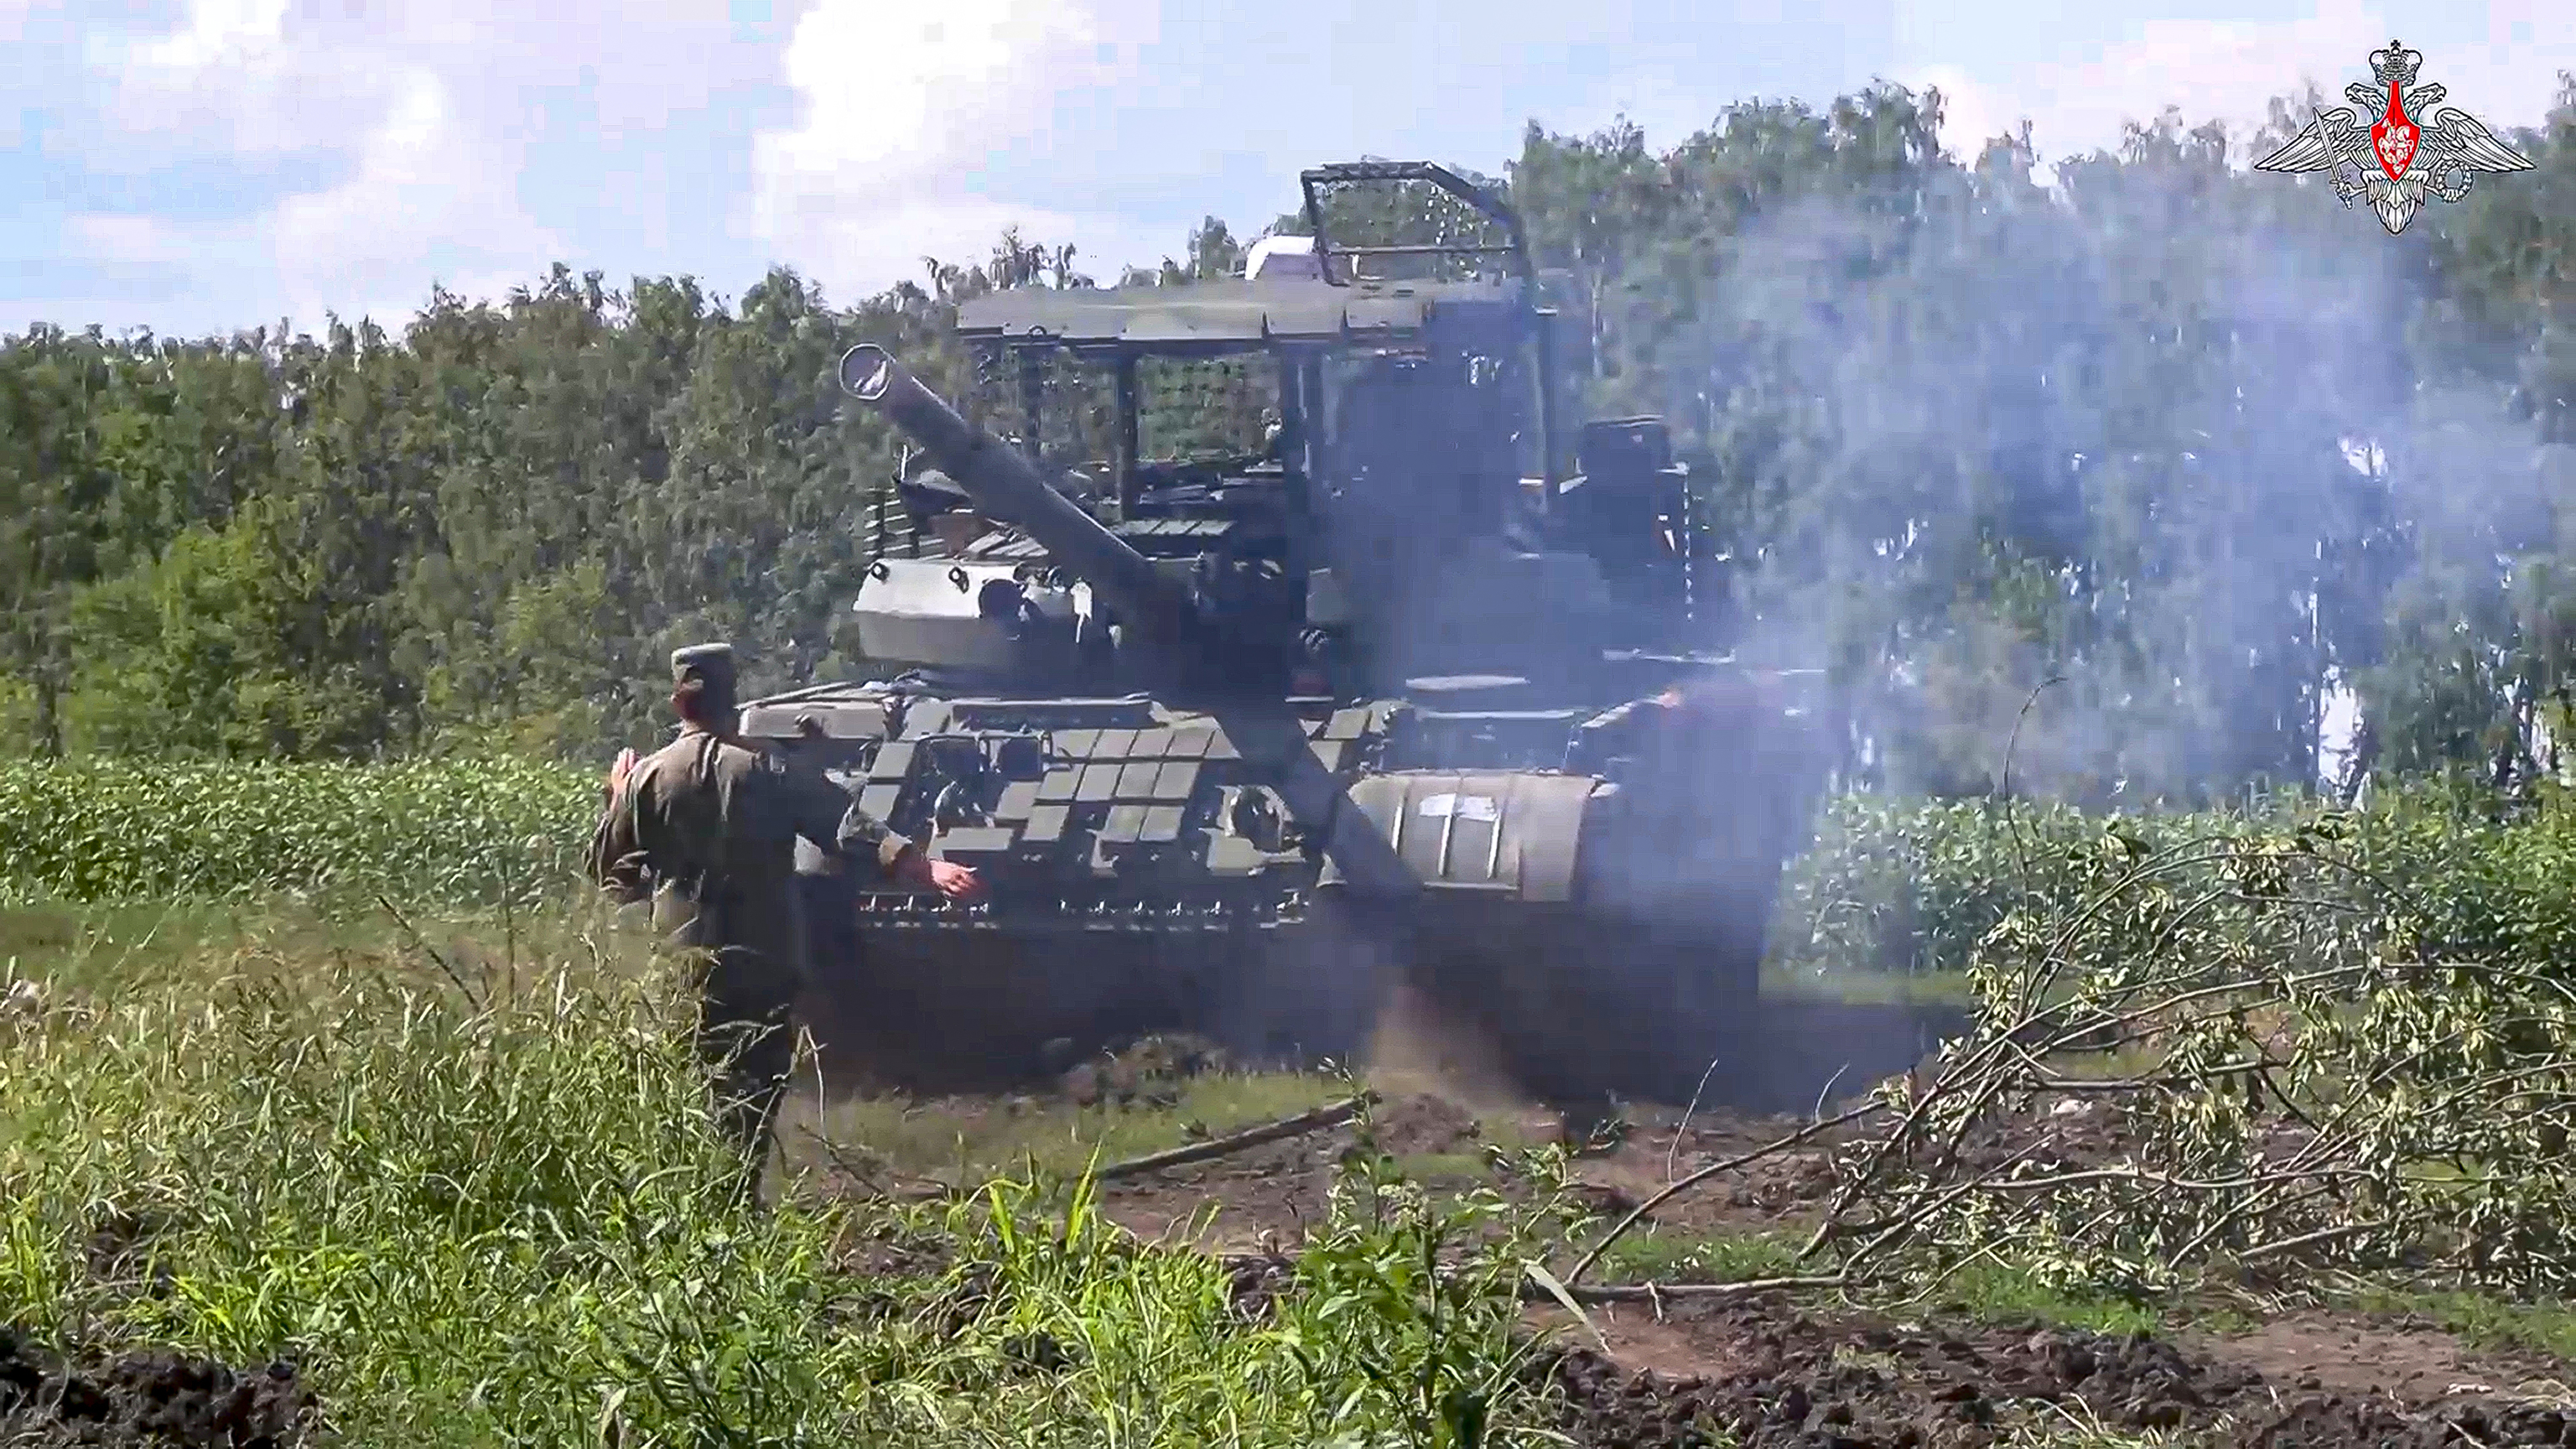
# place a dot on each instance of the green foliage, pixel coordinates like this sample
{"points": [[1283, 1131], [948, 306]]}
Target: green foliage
{"points": [[1650, 1255], [379, 1179], [513, 1223], [2329, 1041], [195, 653], [1921, 886], [1910, 887], [1408, 1314], [1969, 435], [1964, 434], [440, 831]]}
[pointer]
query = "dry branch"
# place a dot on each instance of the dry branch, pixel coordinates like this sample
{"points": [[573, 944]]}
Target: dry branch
{"points": [[1332, 1115], [2321, 1082], [874, 1177], [1698, 1292]]}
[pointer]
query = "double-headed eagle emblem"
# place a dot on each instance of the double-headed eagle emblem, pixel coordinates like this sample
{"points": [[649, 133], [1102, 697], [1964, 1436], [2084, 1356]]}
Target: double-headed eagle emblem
{"points": [[2398, 160]]}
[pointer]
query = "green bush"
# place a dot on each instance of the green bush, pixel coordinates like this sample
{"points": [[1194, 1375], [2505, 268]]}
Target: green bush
{"points": [[1912, 885], [1889, 884]]}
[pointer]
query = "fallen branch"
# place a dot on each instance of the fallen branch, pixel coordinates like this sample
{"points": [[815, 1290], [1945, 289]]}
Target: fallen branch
{"points": [[1332, 1115], [1702, 1292], [429, 950]]}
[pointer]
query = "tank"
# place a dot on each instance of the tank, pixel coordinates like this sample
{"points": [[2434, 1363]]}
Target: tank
{"points": [[1241, 743]]}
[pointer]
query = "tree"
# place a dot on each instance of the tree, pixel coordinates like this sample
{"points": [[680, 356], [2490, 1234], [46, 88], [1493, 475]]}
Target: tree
{"points": [[2186, 441]]}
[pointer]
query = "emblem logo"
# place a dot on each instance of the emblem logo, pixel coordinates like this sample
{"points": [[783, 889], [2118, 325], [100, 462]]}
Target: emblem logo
{"points": [[2400, 160]]}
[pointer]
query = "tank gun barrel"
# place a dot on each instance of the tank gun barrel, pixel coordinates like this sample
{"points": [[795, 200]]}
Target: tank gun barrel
{"points": [[1269, 738], [1007, 485]]}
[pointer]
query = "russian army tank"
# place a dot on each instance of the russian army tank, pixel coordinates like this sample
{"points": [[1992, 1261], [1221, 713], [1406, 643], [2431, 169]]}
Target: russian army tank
{"points": [[1239, 742]]}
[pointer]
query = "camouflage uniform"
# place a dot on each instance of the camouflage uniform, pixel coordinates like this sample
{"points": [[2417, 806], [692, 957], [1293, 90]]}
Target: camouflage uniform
{"points": [[708, 827]]}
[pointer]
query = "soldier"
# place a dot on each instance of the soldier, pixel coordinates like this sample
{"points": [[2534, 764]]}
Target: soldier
{"points": [[707, 826]]}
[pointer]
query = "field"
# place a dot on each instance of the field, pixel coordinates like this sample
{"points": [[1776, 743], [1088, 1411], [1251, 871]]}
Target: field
{"points": [[332, 1115]]}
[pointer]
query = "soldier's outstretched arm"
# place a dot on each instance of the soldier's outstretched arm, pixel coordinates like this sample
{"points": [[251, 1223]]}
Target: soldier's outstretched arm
{"points": [[863, 835], [834, 822], [859, 835], [830, 820]]}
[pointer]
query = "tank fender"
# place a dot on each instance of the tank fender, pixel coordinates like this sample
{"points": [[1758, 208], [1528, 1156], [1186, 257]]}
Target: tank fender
{"points": [[1518, 834]]}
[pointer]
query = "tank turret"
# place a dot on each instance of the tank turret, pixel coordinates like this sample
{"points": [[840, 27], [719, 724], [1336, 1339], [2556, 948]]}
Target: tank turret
{"points": [[1180, 641]]}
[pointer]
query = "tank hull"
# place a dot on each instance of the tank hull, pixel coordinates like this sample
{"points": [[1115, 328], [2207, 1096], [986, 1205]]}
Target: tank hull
{"points": [[1599, 931]]}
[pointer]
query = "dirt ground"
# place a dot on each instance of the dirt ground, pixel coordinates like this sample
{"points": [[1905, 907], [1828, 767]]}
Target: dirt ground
{"points": [[1770, 1376], [143, 1398], [1772, 1372]]}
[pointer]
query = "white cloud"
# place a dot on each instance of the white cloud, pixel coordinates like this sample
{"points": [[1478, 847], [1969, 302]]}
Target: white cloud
{"points": [[424, 184], [2229, 70], [419, 112], [899, 108], [425, 110]]}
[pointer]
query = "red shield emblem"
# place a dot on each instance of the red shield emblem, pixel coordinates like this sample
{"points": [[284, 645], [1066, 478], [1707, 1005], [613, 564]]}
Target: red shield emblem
{"points": [[2459, 151], [2394, 137]]}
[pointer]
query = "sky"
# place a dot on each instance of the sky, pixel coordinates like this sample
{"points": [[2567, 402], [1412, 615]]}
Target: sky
{"points": [[196, 166]]}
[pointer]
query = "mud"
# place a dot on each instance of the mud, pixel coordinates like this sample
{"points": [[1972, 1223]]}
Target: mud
{"points": [[146, 1398], [1764, 1377], [1768, 1374], [1423, 1126]]}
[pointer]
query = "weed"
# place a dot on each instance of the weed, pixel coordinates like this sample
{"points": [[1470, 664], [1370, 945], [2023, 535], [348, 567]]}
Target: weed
{"points": [[2483, 1320], [963, 1142], [1667, 1256], [2004, 1292], [509, 1220]]}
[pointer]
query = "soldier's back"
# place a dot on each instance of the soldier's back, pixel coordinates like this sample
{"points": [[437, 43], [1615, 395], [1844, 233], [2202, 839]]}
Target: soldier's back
{"points": [[709, 814]]}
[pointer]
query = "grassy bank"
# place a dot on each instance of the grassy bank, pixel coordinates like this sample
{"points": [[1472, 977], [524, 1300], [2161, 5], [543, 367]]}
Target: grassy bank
{"points": [[452, 1158]]}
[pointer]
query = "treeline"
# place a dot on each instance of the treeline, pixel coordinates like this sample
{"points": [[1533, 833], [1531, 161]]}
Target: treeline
{"points": [[2184, 449]]}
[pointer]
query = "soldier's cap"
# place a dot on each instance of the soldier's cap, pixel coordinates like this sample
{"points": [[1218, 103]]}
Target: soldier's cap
{"points": [[709, 666]]}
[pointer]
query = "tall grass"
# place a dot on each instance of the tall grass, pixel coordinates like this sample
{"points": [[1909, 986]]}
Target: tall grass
{"points": [[447, 831], [511, 1222]]}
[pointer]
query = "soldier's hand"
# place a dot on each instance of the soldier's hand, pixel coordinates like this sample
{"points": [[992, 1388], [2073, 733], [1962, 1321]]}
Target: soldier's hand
{"points": [[618, 772], [957, 882]]}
